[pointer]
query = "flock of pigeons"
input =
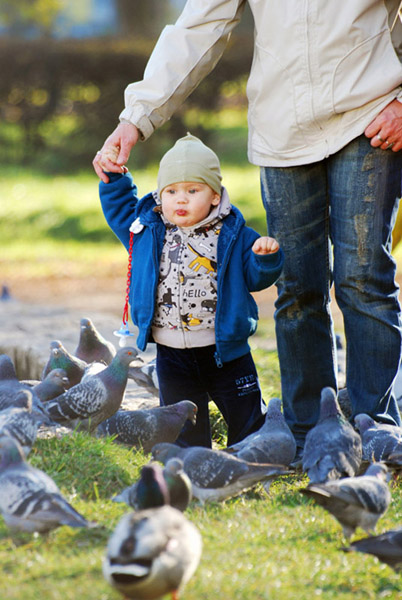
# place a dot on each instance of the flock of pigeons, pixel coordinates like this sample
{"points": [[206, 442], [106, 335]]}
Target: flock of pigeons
{"points": [[155, 549]]}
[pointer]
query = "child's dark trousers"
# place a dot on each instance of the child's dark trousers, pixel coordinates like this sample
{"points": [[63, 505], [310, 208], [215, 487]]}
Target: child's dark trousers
{"points": [[193, 374]]}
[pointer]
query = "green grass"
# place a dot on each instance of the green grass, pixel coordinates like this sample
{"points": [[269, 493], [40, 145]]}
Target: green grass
{"points": [[53, 223], [257, 546]]}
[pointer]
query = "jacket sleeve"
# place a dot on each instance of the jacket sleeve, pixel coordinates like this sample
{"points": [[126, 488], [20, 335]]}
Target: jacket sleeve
{"points": [[260, 270], [118, 200], [184, 54]]}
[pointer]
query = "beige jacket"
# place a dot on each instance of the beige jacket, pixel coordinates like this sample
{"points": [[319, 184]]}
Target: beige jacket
{"points": [[321, 71]]}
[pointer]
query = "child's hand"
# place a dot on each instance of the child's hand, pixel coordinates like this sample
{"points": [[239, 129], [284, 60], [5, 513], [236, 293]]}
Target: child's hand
{"points": [[109, 153], [265, 245]]}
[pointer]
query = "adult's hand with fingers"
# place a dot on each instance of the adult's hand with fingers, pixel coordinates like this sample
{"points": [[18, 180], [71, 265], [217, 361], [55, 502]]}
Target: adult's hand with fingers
{"points": [[386, 129], [123, 138]]}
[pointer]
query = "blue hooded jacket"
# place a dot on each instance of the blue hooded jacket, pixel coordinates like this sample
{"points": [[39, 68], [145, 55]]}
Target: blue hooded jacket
{"points": [[239, 270]]}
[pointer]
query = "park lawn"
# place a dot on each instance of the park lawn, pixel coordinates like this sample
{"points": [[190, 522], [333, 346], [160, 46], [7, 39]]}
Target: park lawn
{"points": [[256, 546], [49, 223]]}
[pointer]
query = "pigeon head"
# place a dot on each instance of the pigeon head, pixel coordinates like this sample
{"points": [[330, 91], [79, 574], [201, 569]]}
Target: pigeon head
{"points": [[87, 325], [10, 452], [329, 406], [89, 334], [379, 470], [57, 376], [55, 344], [274, 408], [61, 358], [188, 408], [125, 356], [173, 467], [152, 489], [7, 369], [363, 422], [164, 451], [118, 368]]}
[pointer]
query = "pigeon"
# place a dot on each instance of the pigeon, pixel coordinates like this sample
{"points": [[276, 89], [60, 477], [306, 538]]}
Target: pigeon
{"points": [[29, 499], [145, 376], [60, 358], [379, 440], [7, 369], [177, 483], [97, 398], [355, 501], [151, 553], [216, 475], [333, 449], [387, 547], [345, 403], [151, 488], [5, 294], [272, 443], [92, 346], [54, 384], [21, 423], [10, 386], [143, 428]]}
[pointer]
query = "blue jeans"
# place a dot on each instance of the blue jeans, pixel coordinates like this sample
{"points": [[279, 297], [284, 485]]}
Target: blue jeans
{"points": [[334, 221], [192, 374]]}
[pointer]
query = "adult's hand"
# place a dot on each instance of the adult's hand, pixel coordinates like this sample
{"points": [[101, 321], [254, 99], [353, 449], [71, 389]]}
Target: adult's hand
{"points": [[386, 129], [124, 137]]}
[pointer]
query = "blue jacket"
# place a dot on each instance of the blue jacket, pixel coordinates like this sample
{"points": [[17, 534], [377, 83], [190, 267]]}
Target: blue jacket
{"points": [[239, 270]]}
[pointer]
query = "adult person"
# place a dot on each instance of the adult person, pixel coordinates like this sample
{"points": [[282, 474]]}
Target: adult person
{"points": [[325, 126]]}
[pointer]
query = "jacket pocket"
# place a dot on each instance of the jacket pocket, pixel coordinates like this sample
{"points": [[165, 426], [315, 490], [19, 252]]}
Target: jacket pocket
{"points": [[368, 71]]}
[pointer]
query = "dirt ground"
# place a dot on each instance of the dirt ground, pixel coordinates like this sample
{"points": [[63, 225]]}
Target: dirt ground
{"points": [[108, 295]]}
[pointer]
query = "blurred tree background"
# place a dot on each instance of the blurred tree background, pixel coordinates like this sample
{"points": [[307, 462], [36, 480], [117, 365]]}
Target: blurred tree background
{"points": [[66, 63]]}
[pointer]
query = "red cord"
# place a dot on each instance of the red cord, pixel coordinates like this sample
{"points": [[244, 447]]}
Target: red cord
{"points": [[130, 258]]}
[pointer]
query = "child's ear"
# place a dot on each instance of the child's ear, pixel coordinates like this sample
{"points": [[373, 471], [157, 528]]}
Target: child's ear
{"points": [[215, 200]]}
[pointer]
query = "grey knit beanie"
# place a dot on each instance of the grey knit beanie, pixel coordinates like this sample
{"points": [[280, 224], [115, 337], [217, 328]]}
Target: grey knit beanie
{"points": [[190, 160]]}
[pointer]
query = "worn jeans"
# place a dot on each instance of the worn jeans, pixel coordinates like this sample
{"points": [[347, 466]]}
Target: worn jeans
{"points": [[333, 220], [192, 374]]}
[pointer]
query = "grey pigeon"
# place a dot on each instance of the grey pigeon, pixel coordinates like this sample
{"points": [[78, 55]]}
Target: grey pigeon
{"points": [[333, 449], [55, 383], [355, 501], [20, 422], [345, 403], [272, 443], [7, 369], [216, 475], [92, 346], [151, 488], [394, 463], [29, 499], [143, 428], [97, 398], [5, 295], [10, 386], [177, 483], [387, 547], [145, 376], [379, 440], [60, 358], [151, 553]]}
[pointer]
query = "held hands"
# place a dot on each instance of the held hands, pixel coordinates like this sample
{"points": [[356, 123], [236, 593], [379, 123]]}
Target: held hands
{"points": [[115, 151], [265, 245], [386, 129]]}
